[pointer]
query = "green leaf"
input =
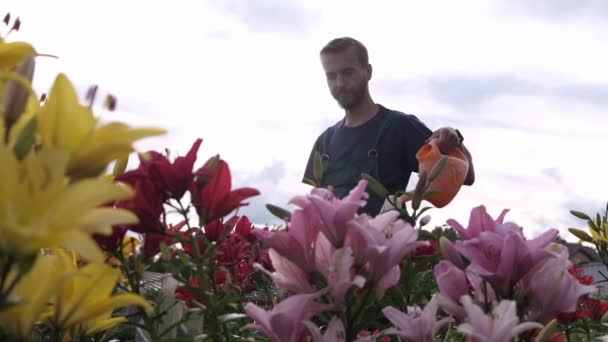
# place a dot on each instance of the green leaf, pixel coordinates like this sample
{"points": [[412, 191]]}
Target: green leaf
{"points": [[547, 331], [231, 317], [375, 186], [317, 167], [26, 139], [580, 215], [421, 186], [582, 235], [26, 263], [430, 193], [437, 168], [279, 212], [311, 182], [425, 235]]}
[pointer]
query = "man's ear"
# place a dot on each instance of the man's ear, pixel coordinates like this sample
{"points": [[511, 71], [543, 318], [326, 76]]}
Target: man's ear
{"points": [[369, 71]]}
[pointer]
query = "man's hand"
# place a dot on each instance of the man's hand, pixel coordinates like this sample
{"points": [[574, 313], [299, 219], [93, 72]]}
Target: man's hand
{"points": [[447, 138]]}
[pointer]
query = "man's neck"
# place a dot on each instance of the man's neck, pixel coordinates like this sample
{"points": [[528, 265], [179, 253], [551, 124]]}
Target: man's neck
{"points": [[361, 114]]}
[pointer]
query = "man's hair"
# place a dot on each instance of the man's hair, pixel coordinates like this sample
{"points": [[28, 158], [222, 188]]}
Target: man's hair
{"points": [[342, 44]]}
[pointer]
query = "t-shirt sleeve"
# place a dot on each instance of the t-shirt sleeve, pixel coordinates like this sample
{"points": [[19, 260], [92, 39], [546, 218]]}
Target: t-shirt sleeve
{"points": [[416, 134], [308, 172]]}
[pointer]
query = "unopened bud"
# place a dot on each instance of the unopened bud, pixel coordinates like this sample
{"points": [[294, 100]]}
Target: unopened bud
{"points": [[7, 19], [42, 97], [449, 252], [17, 94], [425, 220], [207, 171]]}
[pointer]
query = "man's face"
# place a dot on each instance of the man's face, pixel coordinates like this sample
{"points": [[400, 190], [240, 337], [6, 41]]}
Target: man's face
{"points": [[346, 77]]}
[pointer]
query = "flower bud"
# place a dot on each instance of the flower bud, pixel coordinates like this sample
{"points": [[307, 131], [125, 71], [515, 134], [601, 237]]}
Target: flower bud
{"points": [[449, 252]]}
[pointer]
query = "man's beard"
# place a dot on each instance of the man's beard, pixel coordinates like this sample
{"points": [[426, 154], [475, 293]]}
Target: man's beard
{"points": [[353, 98]]}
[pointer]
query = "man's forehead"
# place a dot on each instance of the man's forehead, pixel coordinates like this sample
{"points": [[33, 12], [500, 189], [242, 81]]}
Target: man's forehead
{"points": [[340, 60]]}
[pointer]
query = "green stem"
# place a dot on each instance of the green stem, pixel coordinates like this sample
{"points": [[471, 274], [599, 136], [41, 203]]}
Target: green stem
{"points": [[350, 332]]}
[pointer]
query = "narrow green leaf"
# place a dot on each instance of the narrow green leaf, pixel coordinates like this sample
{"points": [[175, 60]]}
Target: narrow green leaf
{"points": [[279, 212], [423, 210], [231, 317], [375, 186], [421, 185], [437, 168], [26, 139], [311, 182], [317, 167], [430, 193], [580, 215], [582, 235]]}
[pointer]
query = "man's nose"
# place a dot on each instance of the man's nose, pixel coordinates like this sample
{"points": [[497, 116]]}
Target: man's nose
{"points": [[340, 82]]}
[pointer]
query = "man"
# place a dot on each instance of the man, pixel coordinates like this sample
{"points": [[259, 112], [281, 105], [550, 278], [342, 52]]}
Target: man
{"points": [[370, 138]]}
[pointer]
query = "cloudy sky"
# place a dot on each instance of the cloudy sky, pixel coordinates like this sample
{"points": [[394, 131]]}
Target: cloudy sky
{"points": [[524, 81]]}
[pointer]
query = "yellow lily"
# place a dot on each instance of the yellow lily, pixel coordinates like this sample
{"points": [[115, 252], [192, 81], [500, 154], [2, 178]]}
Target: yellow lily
{"points": [[39, 208], [66, 124], [18, 320], [85, 300], [12, 54], [70, 298]]}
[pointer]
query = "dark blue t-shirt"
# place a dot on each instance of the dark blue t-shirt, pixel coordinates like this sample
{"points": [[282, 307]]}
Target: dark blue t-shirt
{"points": [[385, 147]]}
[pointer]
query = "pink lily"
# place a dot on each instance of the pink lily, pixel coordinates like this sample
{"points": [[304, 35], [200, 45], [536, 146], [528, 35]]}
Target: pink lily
{"points": [[381, 244], [287, 275], [336, 265], [499, 326], [480, 221], [284, 323], [416, 326], [336, 213], [553, 289], [452, 283], [335, 331], [449, 252], [297, 242], [503, 260]]}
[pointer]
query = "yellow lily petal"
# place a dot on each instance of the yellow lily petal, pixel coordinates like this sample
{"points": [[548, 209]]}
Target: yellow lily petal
{"points": [[91, 296], [81, 243], [110, 142], [117, 301], [101, 220], [64, 122], [18, 321], [11, 54], [89, 193]]}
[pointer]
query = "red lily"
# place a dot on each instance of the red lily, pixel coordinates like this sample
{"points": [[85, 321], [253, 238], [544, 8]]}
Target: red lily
{"points": [[216, 199], [147, 203], [172, 178]]}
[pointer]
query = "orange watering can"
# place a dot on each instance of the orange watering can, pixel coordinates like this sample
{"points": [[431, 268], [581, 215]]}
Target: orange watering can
{"points": [[450, 179]]}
